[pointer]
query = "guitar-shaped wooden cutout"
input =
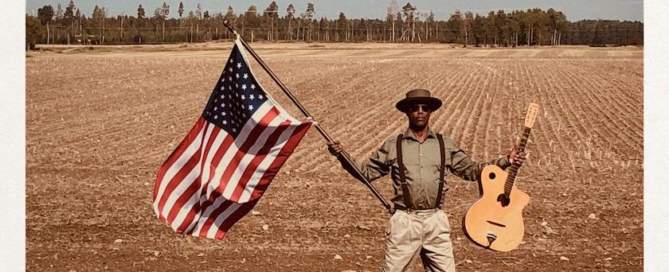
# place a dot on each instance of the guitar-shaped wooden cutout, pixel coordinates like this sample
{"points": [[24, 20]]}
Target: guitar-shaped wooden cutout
{"points": [[496, 220]]}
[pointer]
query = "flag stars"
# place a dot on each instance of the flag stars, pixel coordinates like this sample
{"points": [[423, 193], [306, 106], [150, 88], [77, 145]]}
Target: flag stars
{"points": [[237, 96]]}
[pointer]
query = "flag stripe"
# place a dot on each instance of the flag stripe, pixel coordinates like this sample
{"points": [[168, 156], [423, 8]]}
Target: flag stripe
{"points": [[186, 216], [253, 136], [212, 142], [216, 160], [226, 223], [270, 141], [187, 169], [183, 145], [178, 179], [281, 158], [248, 156], [232, 150], [220, 205], [284, 148], [177, 159], [259, 158]]}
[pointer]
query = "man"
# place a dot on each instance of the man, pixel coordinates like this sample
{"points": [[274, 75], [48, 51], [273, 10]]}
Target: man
{"points": [[419, 226]]}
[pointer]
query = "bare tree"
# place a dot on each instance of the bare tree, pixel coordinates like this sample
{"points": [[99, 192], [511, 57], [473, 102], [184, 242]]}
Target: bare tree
{"points": [[198, 11], [392, 14]]}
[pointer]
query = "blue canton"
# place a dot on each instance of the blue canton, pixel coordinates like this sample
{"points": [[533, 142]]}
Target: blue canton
{"points": [[236, 96]]}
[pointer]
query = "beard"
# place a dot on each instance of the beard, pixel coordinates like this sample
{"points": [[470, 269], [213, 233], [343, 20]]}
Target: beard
{"points": [[418, 124]]}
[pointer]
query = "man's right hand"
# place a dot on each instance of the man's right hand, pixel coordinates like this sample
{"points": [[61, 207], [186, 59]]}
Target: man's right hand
{"points": [[335, 148]]}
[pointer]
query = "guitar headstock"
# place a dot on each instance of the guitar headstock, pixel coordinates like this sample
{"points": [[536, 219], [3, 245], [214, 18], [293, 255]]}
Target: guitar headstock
{"points": [[531, 116]]}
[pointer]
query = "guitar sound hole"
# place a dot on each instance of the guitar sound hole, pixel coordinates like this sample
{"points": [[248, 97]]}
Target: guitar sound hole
{"points": [[492, 175]]}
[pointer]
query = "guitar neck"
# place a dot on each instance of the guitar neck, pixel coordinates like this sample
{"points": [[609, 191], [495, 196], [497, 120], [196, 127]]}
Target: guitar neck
{"points": [[513, 170]]}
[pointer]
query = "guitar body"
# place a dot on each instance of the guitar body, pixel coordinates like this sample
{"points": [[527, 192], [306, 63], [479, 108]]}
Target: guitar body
{"points": [[494, 221]]}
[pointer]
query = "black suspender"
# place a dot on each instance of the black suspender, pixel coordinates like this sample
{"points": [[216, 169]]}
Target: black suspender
{"points": [[405, 189], [442, 152]]}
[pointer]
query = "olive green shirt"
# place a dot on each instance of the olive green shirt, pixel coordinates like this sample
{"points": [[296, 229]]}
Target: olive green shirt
{"points": [[422, 162]]}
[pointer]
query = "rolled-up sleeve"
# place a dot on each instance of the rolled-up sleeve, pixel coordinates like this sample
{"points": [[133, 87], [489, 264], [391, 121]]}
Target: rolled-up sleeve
{"points": [[376, 166], [464, 167]]}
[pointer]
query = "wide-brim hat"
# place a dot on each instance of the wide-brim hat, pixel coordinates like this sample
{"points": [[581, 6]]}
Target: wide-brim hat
{"points": [[418, 96]]}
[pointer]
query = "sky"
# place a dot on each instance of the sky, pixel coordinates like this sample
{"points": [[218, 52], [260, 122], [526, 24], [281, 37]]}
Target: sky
{"points": [[574, 9]]}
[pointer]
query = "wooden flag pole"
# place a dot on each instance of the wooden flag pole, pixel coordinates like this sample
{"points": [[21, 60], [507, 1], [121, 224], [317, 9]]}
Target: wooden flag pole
{"points": [[304, 111]]}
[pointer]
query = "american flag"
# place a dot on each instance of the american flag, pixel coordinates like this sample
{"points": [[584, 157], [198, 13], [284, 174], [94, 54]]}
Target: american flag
{"points": [[223, 166]]}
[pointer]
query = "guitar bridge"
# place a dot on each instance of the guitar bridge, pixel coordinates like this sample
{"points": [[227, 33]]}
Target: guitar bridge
{"points": [[491, 237]]}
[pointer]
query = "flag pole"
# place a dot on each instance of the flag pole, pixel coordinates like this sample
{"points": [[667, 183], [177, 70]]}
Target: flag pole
{"points": [[304, 111]]}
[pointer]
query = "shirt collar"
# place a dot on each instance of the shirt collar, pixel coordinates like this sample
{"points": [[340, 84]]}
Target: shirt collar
{"points": [[409, 134]]}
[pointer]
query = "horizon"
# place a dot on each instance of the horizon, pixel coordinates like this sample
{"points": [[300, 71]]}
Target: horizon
{"points": [[623, 10]]}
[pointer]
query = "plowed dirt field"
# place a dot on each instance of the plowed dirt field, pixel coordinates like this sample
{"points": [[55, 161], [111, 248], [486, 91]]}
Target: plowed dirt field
{"points": [[101, 121]]}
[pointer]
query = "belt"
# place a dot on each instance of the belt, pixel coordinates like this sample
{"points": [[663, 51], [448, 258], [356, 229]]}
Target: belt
{"points": [[405, 209]]}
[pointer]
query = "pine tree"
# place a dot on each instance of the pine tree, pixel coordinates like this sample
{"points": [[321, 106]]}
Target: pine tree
{"points": [[290, 16], [271, 14], [309, 15], [141, 14], [45, 15]]}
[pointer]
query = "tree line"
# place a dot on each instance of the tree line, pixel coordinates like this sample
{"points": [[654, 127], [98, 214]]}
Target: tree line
{"points": [[408, 24]]}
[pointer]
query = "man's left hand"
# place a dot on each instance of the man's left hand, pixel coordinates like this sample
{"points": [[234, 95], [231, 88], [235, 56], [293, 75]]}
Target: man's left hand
{"points": [[516, 157]]}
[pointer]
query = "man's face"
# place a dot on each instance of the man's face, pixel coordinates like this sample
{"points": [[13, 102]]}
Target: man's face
{"points": [[419, 116]]}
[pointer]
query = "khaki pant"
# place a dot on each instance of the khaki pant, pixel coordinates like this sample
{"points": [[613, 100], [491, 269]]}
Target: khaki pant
{"points": [[424, 233]]}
